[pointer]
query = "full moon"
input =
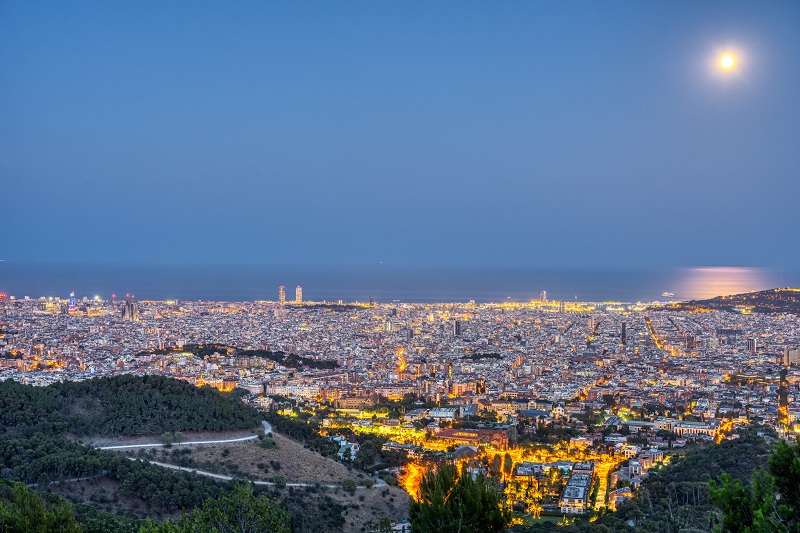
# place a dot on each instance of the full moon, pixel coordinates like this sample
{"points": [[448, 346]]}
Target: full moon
{"points": [[726, 62]]}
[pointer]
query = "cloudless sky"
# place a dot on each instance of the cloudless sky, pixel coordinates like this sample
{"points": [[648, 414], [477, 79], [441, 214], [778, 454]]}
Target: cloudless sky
{"points": [[413, 133]]}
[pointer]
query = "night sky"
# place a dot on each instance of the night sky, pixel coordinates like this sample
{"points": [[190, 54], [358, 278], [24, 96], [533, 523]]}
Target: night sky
{"points": [[538, 134]]}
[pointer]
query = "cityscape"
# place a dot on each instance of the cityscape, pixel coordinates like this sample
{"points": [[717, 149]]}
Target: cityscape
{"points": [[603, 392], [392, 267]]}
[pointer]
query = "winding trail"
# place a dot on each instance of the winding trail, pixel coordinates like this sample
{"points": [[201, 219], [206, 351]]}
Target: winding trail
{"points": [[267, 429], [229, 478]]}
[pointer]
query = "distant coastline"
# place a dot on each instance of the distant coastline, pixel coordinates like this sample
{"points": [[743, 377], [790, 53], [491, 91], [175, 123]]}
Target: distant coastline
{"points": [[350, 284]]}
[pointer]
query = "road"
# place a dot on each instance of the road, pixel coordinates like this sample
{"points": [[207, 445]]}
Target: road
{"points": [[378, 482], [229, 478], [267, 429]]}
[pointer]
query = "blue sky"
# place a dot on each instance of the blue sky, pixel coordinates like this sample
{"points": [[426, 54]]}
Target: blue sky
{"points": [[538, 134]]}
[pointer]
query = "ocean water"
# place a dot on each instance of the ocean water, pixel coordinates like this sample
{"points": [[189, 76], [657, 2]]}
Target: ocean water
{"points": [[384, 284]]}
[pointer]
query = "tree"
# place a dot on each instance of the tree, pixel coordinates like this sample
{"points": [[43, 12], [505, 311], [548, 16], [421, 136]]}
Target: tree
{"points": [[349, 486], [769, 503], [496, 465], [240, 511], [450, 501], [24, 511], [383, 526], [609, 400], [508, 464]]}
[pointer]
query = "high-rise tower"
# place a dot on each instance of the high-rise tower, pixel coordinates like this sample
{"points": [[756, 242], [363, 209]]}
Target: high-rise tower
{"points": [[623, 335], [73, 304], [130, 311], [298, 295], [752, 346], [281, 295]]}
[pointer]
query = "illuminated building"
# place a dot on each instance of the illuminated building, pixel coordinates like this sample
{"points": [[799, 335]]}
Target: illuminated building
{"points": [[298, 295], [130, 311], [791, 356], [690, 342], [73, 306], [457, 328], [281, 295], [752, 346], [543, 296]]}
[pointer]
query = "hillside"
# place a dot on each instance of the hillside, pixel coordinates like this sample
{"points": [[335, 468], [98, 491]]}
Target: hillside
{"points": [[785, 300], [121, 406], [111, 492]]}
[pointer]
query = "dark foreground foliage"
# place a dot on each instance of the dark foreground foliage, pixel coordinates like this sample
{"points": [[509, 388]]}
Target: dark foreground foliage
{"points": [[769, 503], [452, 502], [238, 511]]}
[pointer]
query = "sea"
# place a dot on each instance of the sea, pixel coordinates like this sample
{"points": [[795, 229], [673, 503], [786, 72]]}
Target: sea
{"points": [[384, 284]]}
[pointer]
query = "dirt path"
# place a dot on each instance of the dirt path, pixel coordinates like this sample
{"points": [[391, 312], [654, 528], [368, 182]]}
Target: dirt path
{"points": [[197, 438]]}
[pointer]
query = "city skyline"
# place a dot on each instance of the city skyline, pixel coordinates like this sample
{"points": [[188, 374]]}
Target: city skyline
{"points": [[543, 257], [524, 135], [237, 283]]}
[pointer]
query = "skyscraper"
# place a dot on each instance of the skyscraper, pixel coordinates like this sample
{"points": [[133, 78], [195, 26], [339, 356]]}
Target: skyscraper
{"points": [[73, 305], [690, 342], [752, 346], [457, 328], [130, 311], [623, 335], [281, 295], [298, 295], [791, 356]]}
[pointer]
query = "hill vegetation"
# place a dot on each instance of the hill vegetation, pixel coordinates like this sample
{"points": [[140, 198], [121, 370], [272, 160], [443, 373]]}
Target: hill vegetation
{"points": [[770, 301], [105, 491], [120, 406], [288, 360]]}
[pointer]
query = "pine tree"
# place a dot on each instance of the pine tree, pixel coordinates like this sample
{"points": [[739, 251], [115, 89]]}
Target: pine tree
{"points": [[452, 502]]}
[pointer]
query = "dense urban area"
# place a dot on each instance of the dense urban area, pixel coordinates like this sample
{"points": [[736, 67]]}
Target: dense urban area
{"points": [[570, 406]]}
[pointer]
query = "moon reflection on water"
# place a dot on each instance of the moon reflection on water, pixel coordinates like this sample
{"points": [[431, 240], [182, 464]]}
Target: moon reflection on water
{"points": [[708, 282]]}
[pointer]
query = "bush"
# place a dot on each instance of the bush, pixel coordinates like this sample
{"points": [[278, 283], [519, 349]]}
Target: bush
{"points": [[280, 482], [349, 486]]}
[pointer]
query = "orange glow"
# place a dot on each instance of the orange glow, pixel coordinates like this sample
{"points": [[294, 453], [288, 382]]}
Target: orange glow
{"points": [[411, 478], [709, 282]]}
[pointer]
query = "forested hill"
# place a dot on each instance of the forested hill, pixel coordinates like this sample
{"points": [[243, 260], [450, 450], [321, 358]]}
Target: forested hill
{"points": [[785, 300], [120, 406]]}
